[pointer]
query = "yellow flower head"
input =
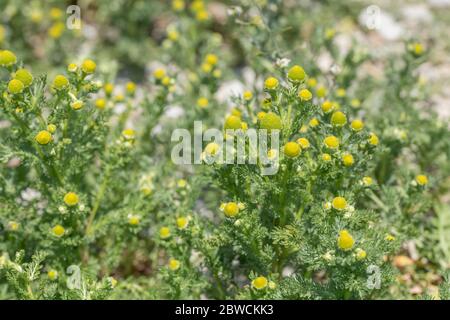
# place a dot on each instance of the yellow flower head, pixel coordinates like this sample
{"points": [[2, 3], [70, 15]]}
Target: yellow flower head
{"points": [[367, 181], [13, 225], [389, 237], [292, 149], [417, 48], [236, 112], [182, 222], [24, 76], [345, 240], [71, 199], [373, 139], [331, 142], [357, 125], [77, 105], [355, 103], [338, 119], [56, 13], [15, 86], [211, 59], [7, 58], [212, 149], [341, 92], [326, 157], [60, 82], [109, 88], [174, 264], [339, 203], [232, 122], [270, 121], [202, 102], [305, 95], [248, 95], [72, 67], [129, 134], [88, 66], [261, 115], [134, 219], [58, 230], [43, 137], [321, 91], [130, 87], [231, 209], [313, 122], [271, 83], [100, 103], [327, 106], [422, 180], [52, 274], [159, 73], [260, 283], [178, 5], [303, 142], [56, 30], [296, 74], [173, 35], [347, 160], [206, 67], [360, 254], [164, 233], [312, 82]]}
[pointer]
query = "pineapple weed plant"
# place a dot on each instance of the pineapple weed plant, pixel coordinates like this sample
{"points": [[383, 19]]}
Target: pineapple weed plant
{"points": [[93, 208]]}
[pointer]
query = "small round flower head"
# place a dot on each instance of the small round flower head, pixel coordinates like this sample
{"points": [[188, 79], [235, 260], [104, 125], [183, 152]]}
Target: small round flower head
{"points": [[56, 13], [206, 67], [173, 35], [232, 122], [347, 160], [128, 134], [260, 115], [202, 15], [100, 103], [345, 240], [321, 91], [174, 264], [211, 59], [72, 67], [248, 95], [357, 125], [327, 106], [339, 203], [367, 181], [421, 180], [417, 48], [292, 149], [24, 76], [13, 226], [355, 103], [305, 95], [52, 274], [338, 119], [303, 142], [312, 82], [109, 88], [389, 237], [260, 283], [212, 149], [182, 222], [164, 233], [134, 219], [77, 105], [181, 183], [7, 58], [373, 139], [56, 30], [313, 122], [130, 87], [236, 112], [15, 86], [326, 157], [271, 83], [58, 230], [231, 209], [329, 33], [270, 121], [178, 5], [202, 102], [360, 254], [71, 199], [60, 82], [331, 142], [296, 74], [88, 66], [159, 73], [166, 81], [217, 73], [341, 92], [43, 137]]}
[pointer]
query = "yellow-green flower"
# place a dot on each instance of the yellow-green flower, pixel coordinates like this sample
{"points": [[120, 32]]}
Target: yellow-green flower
{"points": [[52, 274], [303, 142], [326, 157], [296, 74], [422, 179], [7, 58], [314, 122], [248, 95], [134, 220], [339, 203], [182, 222], [130, 87], [271, 83], [164, 233], [212, 59], [100, 103], [43, 137], [292, 149], [60, 82], [327, 106], [231, 209], [347, 160], [159, 73], [331, 142], [24, 76], [260, 283], [88, 66], [77, 105], [174, 264], [71, 199], [58, 230], [360, 254], [357, 125], [15, 86], [373, 139], [202, 102], [345, 240], [270, 121], [305, 95], [232, 122], [338, 119], [367, 181]]}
